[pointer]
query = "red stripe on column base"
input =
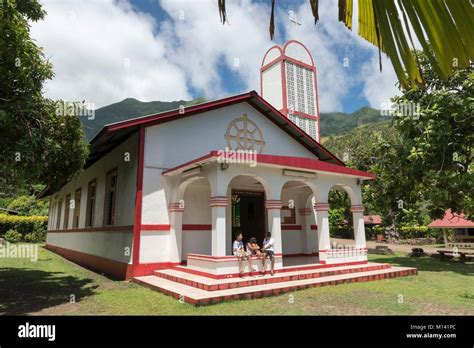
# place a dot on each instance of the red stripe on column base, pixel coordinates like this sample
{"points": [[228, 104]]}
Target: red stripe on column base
{"points": [[115, 269], [155, 227], [197, 227], [291, 227]]}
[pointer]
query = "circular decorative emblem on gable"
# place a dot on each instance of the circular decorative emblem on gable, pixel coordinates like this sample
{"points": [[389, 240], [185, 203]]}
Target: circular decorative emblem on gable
{"points": [[244, 134]]}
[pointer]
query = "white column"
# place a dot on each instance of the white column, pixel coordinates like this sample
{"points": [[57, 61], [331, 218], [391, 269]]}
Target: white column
{"points": [[274, 222], [322, 221], [176, 231], [359, 226], [218, 206]]}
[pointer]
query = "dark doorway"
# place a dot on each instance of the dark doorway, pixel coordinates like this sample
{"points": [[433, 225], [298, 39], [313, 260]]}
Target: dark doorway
{"points": [[248, 215]]}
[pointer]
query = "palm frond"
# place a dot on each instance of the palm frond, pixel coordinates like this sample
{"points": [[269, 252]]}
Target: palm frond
{"points": [[222, 12], [315, 9], [272, 21], [444, 29], [345, 12], [441, 26]]}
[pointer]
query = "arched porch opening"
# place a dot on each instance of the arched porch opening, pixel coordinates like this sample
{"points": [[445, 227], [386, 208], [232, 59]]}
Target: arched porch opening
{"points": [[341, 230], [298, 224], [246, 211]]}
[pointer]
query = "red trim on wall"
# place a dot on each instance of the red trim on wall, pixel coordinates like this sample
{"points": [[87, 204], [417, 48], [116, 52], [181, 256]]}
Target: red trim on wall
{"points": [[317, 103], [321, 265], [305, 115], [139, 198], [265, 55], [217, 258], [298, 62], [115, 269], [271, 64], [291, 228], [96, 229], [145, 228], [144, 269], [197, 227]]}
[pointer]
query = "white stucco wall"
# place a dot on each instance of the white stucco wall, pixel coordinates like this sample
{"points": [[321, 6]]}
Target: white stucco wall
{"points": [[171, 144], [197, 212], [272, 86], [110, 244], [154, 246]]}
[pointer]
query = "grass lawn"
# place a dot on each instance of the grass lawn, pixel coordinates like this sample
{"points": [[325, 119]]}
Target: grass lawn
{"points": [[54, 286]]}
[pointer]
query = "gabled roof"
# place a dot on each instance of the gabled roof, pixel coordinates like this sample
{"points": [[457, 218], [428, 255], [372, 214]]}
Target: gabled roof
{"points": [[451, 220], [113, 134]]}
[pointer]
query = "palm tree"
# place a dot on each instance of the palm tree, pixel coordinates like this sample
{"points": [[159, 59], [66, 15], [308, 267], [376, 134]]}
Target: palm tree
{"points": [[444, 29]]}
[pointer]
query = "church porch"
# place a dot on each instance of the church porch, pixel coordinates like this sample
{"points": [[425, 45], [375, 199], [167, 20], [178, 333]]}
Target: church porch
{"points": [[285, 196]]}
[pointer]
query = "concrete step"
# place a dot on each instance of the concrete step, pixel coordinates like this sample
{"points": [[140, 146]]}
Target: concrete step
{"points": [[180, 275], [198, 296]]}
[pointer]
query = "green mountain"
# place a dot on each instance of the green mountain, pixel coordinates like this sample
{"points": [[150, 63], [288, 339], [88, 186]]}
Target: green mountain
{"points": [[127, 109], [338, 123], [332, 124]]}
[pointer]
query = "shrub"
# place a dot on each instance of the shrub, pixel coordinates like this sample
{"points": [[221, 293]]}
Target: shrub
{"points": [[35, 237], [12, 236], [407, 232], [29, 205], [24, 225]]}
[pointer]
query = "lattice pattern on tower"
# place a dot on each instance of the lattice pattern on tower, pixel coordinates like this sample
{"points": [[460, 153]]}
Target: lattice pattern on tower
{"points": [[290, 82], [310, 92], [300, 89]]}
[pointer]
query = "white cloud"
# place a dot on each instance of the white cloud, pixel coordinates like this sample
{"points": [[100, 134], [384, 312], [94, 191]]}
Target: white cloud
{"points": [[103, 51], [379, 87], [199, 44], [90, 43]]}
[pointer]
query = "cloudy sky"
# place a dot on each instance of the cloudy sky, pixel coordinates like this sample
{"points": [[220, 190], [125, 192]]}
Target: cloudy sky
{"points": [[104, 51]]}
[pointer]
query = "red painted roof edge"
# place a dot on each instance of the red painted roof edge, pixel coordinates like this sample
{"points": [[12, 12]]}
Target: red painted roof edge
{"points": [[284, 161], [196, 109]]}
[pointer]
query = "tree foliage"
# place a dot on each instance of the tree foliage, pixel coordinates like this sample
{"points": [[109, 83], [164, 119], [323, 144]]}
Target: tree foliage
{"points": [[37, 144], [424, 160], [440, 140]]}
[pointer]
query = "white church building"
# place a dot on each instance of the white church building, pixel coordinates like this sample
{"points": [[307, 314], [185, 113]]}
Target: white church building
{"points": [[172, 189]]}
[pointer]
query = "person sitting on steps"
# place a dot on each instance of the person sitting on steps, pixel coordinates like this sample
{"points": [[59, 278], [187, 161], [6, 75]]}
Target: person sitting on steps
{"points": [[269, 251], [241, 254], [254, 249]]}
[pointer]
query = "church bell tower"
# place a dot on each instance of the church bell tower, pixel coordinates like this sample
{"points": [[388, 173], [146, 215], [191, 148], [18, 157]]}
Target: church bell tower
{"points": [[288, 82]]}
